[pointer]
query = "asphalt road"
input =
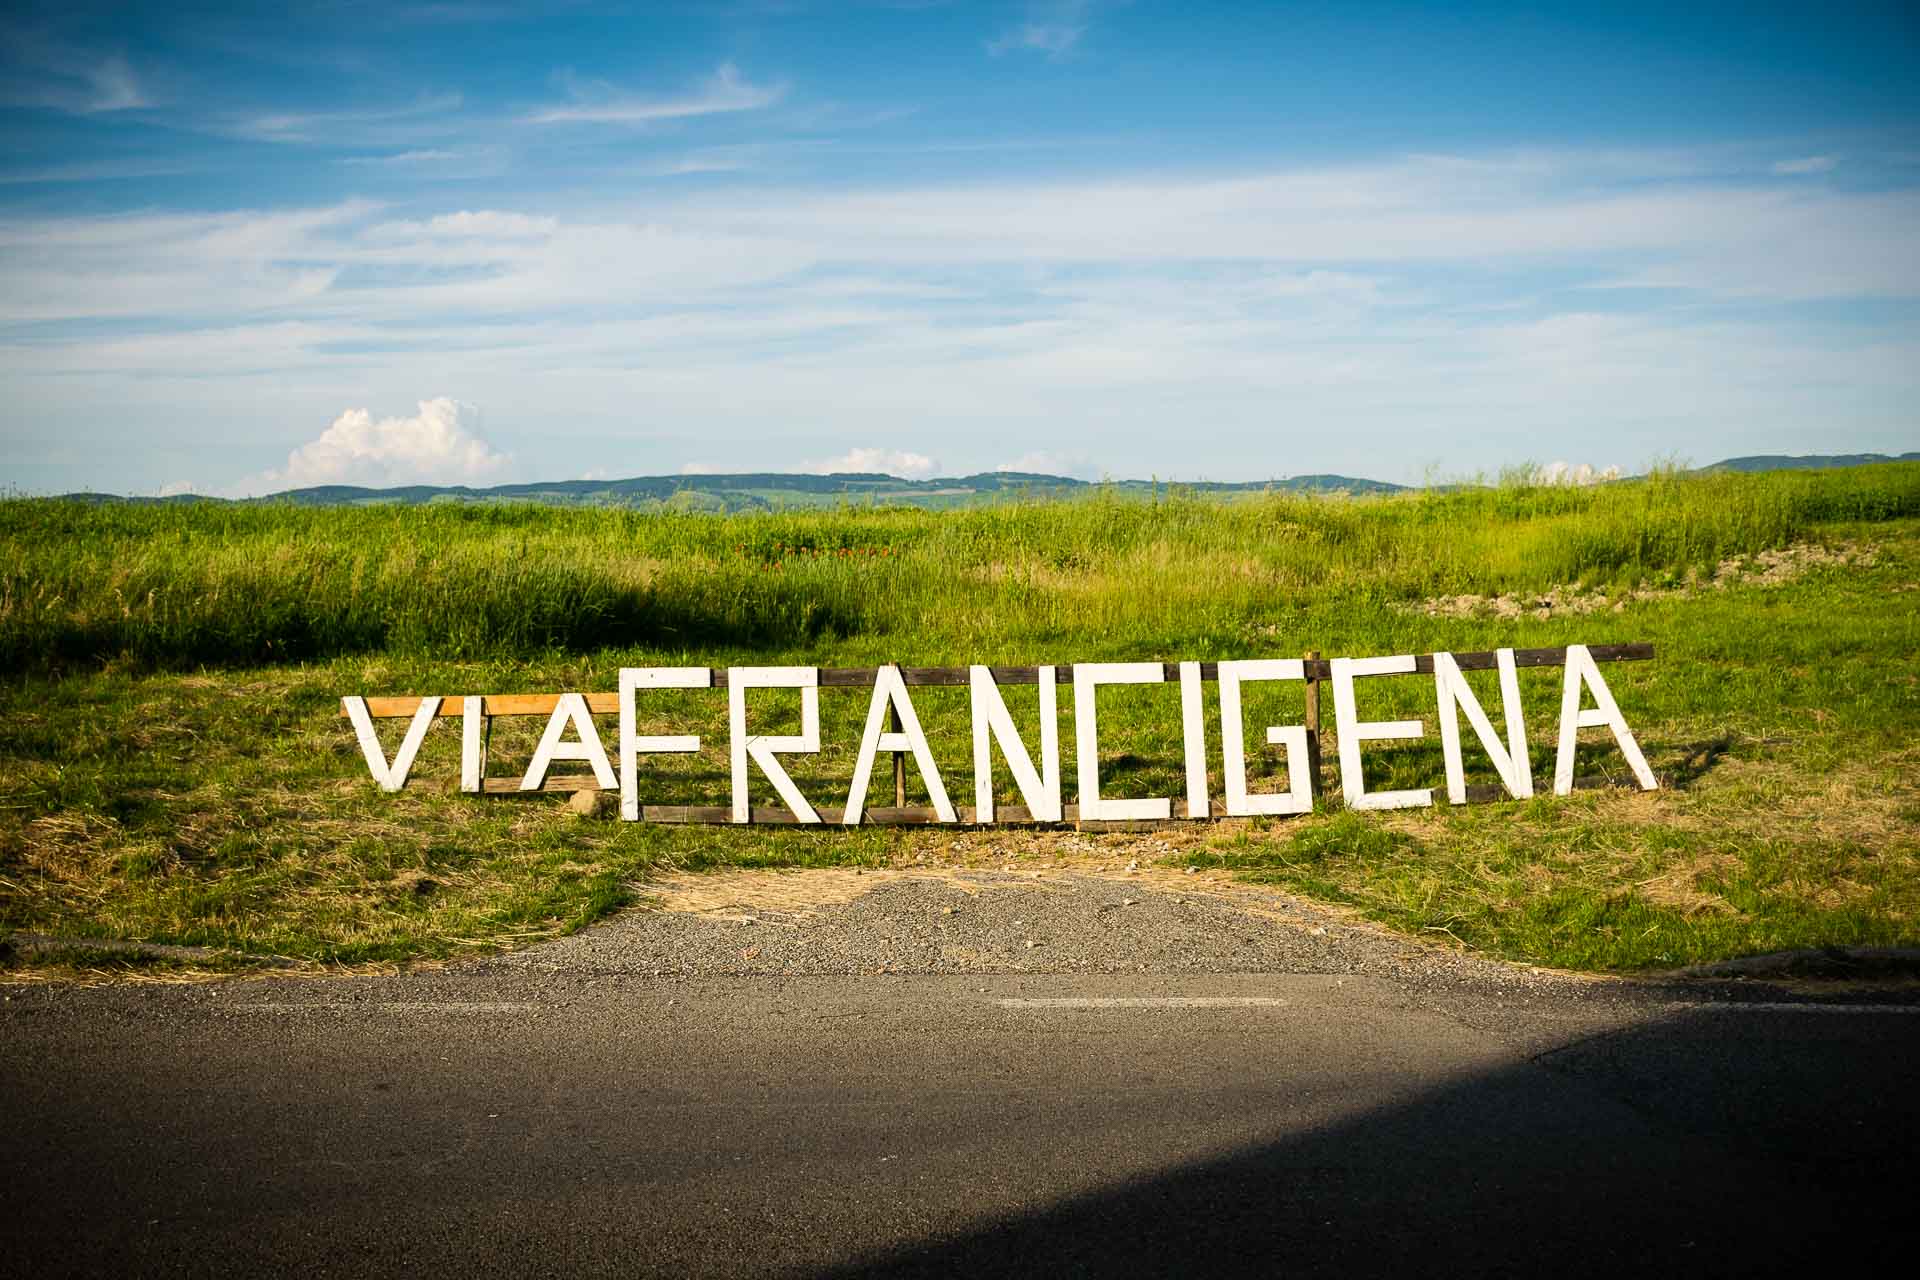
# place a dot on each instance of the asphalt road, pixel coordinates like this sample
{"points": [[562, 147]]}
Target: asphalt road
{"points": [[507, 1120]]}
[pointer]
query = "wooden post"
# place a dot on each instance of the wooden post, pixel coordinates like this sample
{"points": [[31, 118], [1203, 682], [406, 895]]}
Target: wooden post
{"points": [[1313, 721], [899, 757]]}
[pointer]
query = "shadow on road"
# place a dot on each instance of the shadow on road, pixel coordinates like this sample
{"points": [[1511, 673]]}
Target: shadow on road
{"points": [[1672, 1148], [943, 1136]]}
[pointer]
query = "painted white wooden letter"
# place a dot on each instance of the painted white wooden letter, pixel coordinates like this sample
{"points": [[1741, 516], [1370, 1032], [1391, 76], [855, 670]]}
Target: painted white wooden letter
{"points": [[1087, 676], [633, 743], [890, 690], [991, 720], [762, 748], [1605, 714], [1455, 695], [390, 777], [1353, 731], [1193, 729], [1298, 798], [571, 709], [473, 743]]}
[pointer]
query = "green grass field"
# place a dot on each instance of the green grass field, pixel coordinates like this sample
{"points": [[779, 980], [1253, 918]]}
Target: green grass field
{"points": [[173, 766]]}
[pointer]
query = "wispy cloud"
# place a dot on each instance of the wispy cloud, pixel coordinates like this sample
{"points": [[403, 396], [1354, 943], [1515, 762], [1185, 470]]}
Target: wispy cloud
{"points": [[433, 163], [1000, 320], [489, 225], [357, 126], [408, 159], [597, 102], [1053, 29], [115, 87], [100, 171], [37, 71], [1807, 164]]}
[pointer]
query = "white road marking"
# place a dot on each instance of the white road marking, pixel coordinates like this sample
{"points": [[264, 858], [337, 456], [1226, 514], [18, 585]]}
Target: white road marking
{"points": [[1144, 1002]]}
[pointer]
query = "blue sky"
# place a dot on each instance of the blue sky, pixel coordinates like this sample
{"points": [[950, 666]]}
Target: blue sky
{"points": [[246, 248]]}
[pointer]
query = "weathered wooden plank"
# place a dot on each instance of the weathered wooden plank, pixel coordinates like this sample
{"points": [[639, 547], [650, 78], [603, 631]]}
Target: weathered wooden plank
{"points": [[1555, 657], [698, 814], [542, 704], [1311, 662]]}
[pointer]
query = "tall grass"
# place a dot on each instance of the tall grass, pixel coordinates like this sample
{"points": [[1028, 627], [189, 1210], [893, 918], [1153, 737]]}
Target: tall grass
{"points": [[172, 586]]}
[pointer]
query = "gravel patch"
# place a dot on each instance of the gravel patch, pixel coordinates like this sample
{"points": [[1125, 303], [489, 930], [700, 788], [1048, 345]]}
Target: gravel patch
{"points": [[981, 921]]}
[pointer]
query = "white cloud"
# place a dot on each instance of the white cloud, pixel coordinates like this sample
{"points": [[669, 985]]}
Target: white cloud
{"points": [[468, 224], [432, 447], [431, 162], [1560, 473], [1051, 28], [892, 462], [425, 114], [41, 69], [1285, 320], [702, 469], [1807, 164], [115, 87], [428, 155], [596, 102]]}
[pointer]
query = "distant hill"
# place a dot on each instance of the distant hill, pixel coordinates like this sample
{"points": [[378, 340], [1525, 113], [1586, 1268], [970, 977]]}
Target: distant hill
{"points": [[780, 490], [1807, 462], [767, 491]]}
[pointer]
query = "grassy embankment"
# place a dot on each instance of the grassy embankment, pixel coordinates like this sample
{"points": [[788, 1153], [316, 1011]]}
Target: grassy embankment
{"points": [[173, 767]]}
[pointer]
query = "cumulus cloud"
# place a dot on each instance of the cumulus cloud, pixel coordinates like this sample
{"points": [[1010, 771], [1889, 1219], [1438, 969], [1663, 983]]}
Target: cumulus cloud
{"points": [[892, 462], [431, 447], [1045, 462], [1561, 473]]}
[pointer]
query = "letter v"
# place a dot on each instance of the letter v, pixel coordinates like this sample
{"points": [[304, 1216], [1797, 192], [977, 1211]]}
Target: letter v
{"points": [[390, 777]]}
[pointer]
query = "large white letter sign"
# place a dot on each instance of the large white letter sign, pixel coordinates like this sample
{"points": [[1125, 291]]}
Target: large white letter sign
{"points": [[571, 709], [473, 744], [633, 743], [1353, 731], [1040, 790], [1298, 797], [1193, 729], [1605, 714], [890, 690], [1087, 676], [394, 777], [1455, 695], [762, 748]]}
